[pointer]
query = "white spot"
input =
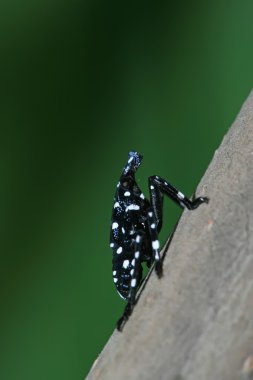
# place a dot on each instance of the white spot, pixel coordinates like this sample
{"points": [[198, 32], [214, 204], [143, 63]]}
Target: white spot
{"points": [[131, 232], [111, 245], [119, 250], [115, 280], [114, 272], [153, 226], [138, 238], [157, 256], [152, 187], [133, 282], [157, 176], [150, 214], [133, 262], [118, 184], [133, 207], [142, 196], [180, 195], [137, 254], [123, 230], [130, 159], [116, 204], [125, 264], [115, 225], [132, 272], [165, 183], [155, 244], [127, 193]]}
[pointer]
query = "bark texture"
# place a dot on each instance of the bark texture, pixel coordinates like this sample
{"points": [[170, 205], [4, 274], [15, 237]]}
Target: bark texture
{"points": [[197, 321]]}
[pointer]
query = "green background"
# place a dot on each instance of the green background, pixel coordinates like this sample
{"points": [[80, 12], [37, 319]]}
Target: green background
{"points": [[81, 84]]}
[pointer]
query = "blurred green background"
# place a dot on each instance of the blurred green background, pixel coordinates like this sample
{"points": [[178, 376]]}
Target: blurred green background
{"points": [[82, 83]]}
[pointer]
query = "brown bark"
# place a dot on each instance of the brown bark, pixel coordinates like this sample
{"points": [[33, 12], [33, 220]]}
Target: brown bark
{"points": [[197, 321]]}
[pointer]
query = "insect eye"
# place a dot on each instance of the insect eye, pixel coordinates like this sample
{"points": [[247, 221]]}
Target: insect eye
{"points": [[127, 182]]}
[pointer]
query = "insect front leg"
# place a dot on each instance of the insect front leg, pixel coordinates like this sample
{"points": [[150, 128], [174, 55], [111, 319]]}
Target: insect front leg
{"points": [[152, 226], [134, 282], [158, 187]]}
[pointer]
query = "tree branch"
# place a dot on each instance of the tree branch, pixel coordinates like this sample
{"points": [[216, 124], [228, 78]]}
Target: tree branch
{"points": [[197, 321]]}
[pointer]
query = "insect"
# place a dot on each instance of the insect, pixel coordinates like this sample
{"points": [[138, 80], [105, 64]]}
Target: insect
{"points": [[136, 223]]}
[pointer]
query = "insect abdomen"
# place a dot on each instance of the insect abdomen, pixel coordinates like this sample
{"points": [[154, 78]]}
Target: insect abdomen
{"points": [[122, 275]]}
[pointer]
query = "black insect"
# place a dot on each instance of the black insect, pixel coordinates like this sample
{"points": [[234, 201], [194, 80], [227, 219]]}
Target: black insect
{"points": [[136, 222]]}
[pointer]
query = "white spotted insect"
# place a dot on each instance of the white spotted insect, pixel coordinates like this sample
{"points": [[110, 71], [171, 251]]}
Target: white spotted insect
{"points": [[136, 222]]}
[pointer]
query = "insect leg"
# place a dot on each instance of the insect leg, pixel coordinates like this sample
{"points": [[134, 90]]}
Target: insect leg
{"points": [[135, 279], [158, 187], [152, 226]]}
